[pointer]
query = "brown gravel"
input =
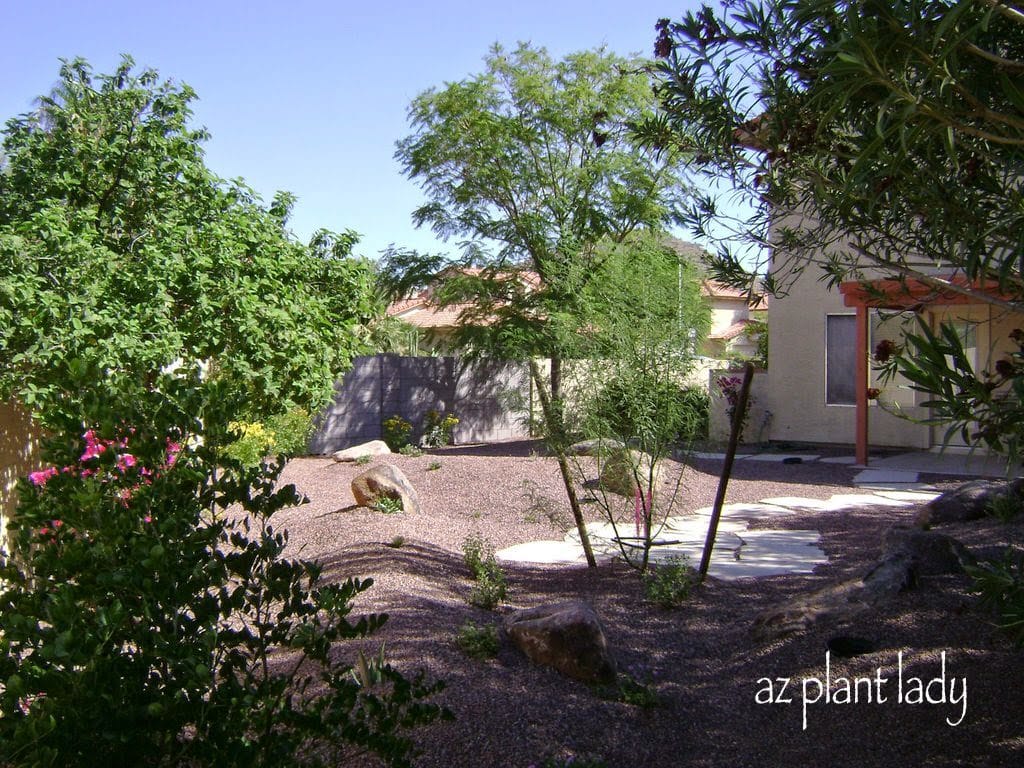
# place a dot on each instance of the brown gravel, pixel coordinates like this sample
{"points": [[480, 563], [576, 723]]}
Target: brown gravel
{"points": [[700, 660]]}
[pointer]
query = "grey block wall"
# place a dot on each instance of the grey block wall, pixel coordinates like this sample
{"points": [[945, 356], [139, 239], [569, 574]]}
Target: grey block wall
{"points": [[490, 398]]}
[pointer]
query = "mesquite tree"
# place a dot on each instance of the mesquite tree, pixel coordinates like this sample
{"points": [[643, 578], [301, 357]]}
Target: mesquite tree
{"points": [[533, 165]]}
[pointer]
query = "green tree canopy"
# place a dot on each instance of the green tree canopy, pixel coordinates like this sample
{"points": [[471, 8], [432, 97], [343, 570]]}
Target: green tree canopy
{"points": [[870, 138], [123, 255], [896, 128], [533, 163]]}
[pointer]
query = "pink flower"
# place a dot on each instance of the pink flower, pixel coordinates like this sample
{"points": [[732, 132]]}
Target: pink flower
{"points": [[126, 460], [148, 519], [56, 523], [39, 478]]}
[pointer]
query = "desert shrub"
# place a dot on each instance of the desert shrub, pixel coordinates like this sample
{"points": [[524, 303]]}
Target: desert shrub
{"points": [[1006, 507], [388, 505], [475, 550], [648, 408], [411, 450], [669, 583], [478, 642], [283, 434], [396, 431], [1001, 586], [490, 587], [144, 625], [437, 429], [434, 465]]}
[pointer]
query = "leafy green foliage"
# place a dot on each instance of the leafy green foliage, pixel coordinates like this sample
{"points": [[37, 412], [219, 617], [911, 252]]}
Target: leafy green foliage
{"points": [[1001, 586], [532, 157], [437, 429], [867, 138], [478, 642], [396, 432], [147, 624], [668, 584], [284, 434], [150, 613], [388, 505], [490, 587], [121, 255]]}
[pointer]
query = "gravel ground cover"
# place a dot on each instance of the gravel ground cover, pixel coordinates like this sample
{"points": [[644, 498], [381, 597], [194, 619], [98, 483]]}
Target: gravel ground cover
{"points": [[698, 668]]}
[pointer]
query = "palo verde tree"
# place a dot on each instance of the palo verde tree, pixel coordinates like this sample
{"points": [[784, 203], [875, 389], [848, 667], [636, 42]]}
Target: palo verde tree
{"points": [[148, 613], [532, 164], [642, 321], [870, 138]]}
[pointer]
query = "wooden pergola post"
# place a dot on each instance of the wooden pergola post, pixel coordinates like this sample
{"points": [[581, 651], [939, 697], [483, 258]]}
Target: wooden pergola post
{"points": [[861, 393]]}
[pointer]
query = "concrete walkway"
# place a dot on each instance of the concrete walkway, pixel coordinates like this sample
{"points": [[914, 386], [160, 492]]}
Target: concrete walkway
{"points": [[738, 553]]}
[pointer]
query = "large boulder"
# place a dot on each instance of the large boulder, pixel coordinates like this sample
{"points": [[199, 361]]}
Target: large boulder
{"points": [[356, 452], [385, 480], [970, 501], [621, 469], [931, 553], [566, 636]]}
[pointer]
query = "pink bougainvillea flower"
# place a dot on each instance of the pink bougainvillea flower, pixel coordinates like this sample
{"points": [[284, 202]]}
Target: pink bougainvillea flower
{"points": [[148, 519], [126, 460], [56, 523], [40, 477]]}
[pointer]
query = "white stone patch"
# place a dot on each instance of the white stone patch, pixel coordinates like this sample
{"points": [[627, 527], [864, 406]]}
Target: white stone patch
{"points": [[543, 552], [801, 503], [912, 497], [746, 511]]}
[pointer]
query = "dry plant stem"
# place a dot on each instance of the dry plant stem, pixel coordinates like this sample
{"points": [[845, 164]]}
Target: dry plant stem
{"points": [[730, 455], [553, 420]]}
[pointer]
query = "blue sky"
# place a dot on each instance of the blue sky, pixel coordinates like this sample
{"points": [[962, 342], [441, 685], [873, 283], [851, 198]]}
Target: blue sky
{"points": [[309, 96]]}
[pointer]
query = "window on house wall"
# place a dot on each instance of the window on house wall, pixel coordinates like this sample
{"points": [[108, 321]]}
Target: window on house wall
{"points": [[840, 359]]}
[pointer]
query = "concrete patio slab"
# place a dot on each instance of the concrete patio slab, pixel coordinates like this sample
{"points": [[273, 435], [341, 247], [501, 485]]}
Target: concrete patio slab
{"points": [[884, 477], [783, 458], [839, 460]]}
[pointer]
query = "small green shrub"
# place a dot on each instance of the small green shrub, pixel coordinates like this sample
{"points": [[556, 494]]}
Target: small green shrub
{"points": [[1001, 586], [669, 584], [284, 434], [478, 642], [397, 542], [363, 460], [490, 588], [388, 505], [396, 431], [475, 550], [434, 465], [1006, 507], [437, 429], [410, 450], [637, 694]]}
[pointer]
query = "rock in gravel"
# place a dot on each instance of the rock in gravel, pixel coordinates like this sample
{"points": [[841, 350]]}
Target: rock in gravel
{"points": [[385, 480], [567, 636], [372, 448], [932, 553], [969, 502], [907, 554], [622, 468]]}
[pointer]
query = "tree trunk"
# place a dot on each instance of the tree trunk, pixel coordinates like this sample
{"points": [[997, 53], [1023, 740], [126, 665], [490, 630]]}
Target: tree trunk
{"points": [[555, 428]]}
